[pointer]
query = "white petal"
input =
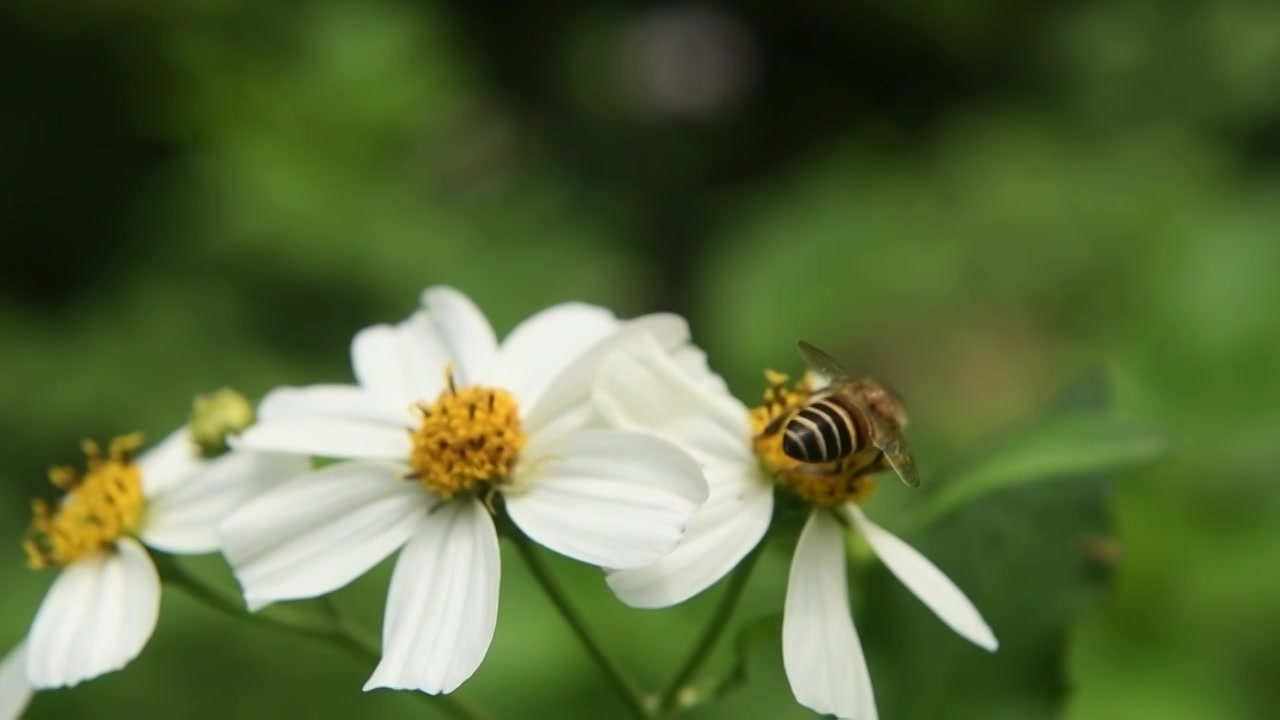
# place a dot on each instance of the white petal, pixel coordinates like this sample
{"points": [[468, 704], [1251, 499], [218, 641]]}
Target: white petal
{"points": [[565, 405], [169, 462], [403, 362], [185, 519], [96, 617], [540, 348], [606, 497], [15, 690], [465, 334], [724, 530], [639, 386], [318, 532], [339, 402], [925, 581], [820, 649], [670, 330], [443, 603], [693, 361], [327, 437]]}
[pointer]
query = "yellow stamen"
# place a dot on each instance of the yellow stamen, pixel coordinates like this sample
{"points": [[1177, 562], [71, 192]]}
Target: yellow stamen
{"points": [[829, 484], [101, 505], [469, 439]]}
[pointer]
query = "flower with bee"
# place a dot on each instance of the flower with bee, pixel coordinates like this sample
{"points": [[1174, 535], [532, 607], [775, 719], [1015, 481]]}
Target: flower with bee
{"points": [[821, 441]]}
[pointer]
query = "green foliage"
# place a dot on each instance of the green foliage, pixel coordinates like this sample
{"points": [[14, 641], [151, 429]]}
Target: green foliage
{"points": [[1032, 558], [1024, 558], [750, 637], [1074, 445]]}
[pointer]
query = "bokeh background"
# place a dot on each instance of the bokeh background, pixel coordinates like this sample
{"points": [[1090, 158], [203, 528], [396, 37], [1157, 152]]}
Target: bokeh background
{"points": [[979, 202]]}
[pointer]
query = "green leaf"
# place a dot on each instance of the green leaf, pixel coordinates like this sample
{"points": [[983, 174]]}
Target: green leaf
{"points": [[1072, 445], [1028, 560], [1033, 559]]}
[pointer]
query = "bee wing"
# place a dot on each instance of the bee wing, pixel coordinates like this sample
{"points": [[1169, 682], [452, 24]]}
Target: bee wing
{"points": [[894, 448], [824, 365]]}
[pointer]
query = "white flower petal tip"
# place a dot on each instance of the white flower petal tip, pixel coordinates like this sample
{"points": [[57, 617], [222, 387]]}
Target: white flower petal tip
{"points": [[670, 330], [641, 386], [820, 649], [254, 604], [404, 362], [727, 527], [15, 690], [464, 333], [925, 581], [565, 402], [96, 617], [442, 607], [694, 363], [538, 350], [319, 531], [169, 462], [185, 519], [610, 498]]}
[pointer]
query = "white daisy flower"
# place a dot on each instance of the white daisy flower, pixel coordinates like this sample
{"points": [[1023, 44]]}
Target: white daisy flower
{"points": [[443, 421], [103, 605], [15, 689], [642, 387]]}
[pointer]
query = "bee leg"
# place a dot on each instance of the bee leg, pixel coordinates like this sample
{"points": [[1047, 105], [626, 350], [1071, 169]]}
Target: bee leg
{"points": [[847, 467], [488, 498], [775, 425], [822, 470]]}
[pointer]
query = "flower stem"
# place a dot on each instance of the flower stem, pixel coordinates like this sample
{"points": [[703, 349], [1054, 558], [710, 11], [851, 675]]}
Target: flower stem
{"points": [[623, 685], [673, 697], [334, 628]]}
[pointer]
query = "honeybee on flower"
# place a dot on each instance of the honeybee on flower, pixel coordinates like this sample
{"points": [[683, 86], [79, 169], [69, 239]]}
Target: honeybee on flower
{"points": [[749, 455]]}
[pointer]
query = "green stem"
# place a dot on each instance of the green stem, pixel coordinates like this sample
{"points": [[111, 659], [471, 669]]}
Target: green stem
{"points": [[334, 629], [672, 697], [625, 688]]}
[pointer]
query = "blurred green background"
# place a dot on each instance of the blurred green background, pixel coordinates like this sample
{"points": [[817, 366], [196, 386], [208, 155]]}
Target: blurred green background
{"points": [[980, 203]]}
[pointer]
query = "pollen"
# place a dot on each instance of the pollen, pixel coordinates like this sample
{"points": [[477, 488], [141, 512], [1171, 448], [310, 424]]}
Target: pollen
{"points": [[826, 484], [101, 505], [468, 439]]}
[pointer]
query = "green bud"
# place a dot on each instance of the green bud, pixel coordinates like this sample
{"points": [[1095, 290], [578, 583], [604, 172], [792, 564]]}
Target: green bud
{"points": [[215, 417]]}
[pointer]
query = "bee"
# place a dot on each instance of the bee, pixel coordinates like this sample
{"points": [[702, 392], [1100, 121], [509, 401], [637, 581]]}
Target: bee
{"points": [[851, 425]]}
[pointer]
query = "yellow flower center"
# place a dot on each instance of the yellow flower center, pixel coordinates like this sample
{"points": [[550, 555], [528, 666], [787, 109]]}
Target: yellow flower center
{"points": [[827, 484], [101, 505], [469, 439]]}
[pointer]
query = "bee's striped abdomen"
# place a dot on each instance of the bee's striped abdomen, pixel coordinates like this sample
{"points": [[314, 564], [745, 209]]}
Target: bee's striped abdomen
{"points": [[823, 431]]}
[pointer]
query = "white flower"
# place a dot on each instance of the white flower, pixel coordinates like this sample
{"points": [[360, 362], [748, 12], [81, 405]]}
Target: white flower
{"points": [[641, 387], [443, 421], [103, 605], [15, 689]]}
